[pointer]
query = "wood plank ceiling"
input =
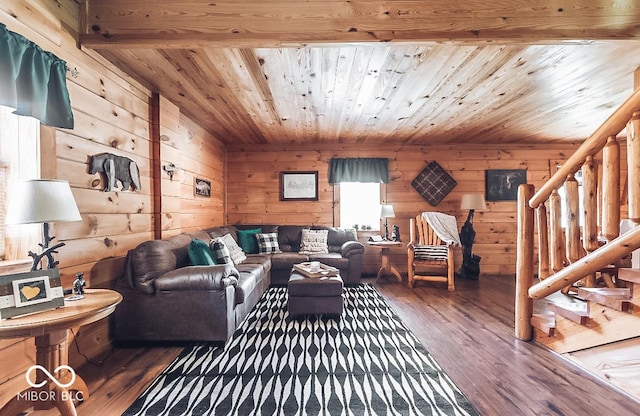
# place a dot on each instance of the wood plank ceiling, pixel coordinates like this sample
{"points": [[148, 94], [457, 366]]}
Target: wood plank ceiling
{"points": [[374, 72]]}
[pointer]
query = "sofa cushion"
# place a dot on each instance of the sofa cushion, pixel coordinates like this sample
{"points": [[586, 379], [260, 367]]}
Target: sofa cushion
{"points": [[236, 253], [247, 240], [198, 278], [314, 241], [200, 254], [220, 251], [289, 237], [333, 260], [249, 276], [338, 236], [268, 243], [216, 232], [286, 261], [263, 260]]}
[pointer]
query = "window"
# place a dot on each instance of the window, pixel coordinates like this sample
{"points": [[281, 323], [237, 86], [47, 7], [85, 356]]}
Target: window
{"points": [[19, 160], [360, 205]]}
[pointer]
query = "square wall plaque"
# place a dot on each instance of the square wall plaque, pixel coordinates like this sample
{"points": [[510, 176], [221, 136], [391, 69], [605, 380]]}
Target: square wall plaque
{"points": [[433, 183]]}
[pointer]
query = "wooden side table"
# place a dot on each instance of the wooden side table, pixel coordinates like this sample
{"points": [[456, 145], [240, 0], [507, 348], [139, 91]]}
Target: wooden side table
{"points": [[51, 330], [386, 268]]}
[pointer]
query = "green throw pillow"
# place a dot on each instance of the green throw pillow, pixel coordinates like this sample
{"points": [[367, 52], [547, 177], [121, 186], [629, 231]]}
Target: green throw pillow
{"points": [[247, 240], [200, 253]]}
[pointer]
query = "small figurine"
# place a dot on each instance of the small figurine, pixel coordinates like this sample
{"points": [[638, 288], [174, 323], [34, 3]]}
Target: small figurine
{"points": [[395, 234], [79, 284]]}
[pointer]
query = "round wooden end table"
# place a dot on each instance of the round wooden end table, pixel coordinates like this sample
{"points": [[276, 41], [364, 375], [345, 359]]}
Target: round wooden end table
{"points": [[386, 268], [51, 328]]}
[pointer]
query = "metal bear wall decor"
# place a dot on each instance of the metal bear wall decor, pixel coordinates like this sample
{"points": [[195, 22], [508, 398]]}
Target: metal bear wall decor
{"points": [[115, 168]]}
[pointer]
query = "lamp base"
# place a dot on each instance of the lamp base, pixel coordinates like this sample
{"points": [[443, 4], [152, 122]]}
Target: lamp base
{"points": [[46, 251], [470, 269]]}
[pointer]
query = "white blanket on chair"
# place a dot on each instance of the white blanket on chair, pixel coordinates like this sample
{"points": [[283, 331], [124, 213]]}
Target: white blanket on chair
{"points": [[445, 226]]}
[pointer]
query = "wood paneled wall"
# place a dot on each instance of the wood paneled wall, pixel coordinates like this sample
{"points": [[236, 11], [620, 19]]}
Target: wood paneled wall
{"points": [[111, 115], [254, 195], [198, 155]]}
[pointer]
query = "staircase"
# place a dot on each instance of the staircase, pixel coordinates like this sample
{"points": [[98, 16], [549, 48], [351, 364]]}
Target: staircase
{"points": [[592, 317], [579, 292]]}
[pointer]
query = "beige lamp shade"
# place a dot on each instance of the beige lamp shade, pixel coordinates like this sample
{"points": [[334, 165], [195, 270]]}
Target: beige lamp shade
{"points": [[386, 211], [42, 201], [473, 201]]}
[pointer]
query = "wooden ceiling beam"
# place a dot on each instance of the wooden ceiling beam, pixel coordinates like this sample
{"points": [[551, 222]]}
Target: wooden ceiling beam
{"points": [[281, 23]]}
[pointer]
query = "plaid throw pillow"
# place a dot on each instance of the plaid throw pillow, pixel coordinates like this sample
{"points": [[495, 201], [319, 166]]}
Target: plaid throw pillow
{"points": [[220, 251], [268, 243]]}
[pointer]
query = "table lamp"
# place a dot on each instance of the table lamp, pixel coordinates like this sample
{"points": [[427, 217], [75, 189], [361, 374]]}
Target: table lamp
{"points": [[386, 211], [470, 263], [41, 201]]}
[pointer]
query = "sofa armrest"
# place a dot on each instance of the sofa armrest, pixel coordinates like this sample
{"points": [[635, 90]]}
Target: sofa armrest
{"points": [[351, 248], [215, 277]]}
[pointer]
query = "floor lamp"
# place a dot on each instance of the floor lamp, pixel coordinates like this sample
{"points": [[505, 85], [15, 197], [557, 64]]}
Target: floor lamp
{"points": [[470, 262], [42, 202]]}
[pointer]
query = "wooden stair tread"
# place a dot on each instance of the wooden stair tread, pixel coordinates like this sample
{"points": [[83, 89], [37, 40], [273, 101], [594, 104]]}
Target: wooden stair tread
{"points": [[545, 322], [629, 275], [616, 298], [576, 310]]}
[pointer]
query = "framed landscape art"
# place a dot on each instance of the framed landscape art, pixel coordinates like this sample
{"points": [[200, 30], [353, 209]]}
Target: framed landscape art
{"points": [[299, 186]]}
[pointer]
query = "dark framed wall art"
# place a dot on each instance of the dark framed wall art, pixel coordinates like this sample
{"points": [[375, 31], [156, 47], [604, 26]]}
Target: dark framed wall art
{"points": [[299, 186], [502, 184]]}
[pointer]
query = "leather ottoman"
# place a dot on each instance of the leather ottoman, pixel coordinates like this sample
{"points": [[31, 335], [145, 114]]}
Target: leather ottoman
{"points": [[314, 296]]}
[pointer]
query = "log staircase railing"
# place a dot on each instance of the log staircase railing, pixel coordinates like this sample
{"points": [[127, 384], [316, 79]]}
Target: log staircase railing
{"points": [[581, 250]]}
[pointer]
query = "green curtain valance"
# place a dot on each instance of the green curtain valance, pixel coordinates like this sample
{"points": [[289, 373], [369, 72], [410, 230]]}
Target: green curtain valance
{"points": [[33, 81], [359, 170]]}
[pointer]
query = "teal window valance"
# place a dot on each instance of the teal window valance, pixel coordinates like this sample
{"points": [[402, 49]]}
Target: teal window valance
{"points": [[33, 81], [359, 170]]}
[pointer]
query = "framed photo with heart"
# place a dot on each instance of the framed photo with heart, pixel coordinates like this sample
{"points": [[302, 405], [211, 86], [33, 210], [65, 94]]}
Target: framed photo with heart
{"points": [[30, 292]]}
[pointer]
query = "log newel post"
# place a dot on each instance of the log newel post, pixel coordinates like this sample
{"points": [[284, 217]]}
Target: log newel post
{"points": [[524, 264], [611, 189], [633, 166]]}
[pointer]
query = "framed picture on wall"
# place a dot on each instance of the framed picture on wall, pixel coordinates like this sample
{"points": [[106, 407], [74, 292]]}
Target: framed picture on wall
{"points": [[502, 184], [299, 186], [202, 187]]}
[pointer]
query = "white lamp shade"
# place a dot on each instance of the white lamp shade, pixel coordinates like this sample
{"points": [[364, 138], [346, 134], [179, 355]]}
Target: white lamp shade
{"points": [[386, 211], [473, 201], [40, 201]]}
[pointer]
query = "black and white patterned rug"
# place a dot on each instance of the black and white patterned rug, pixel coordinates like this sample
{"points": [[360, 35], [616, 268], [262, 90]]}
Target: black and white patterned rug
{"points": [[365, 363]]}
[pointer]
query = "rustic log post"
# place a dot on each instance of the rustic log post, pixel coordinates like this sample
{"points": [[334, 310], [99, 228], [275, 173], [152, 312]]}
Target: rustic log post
{"points": [[574, 246], [633, 166], [524, 264], [555, 232], [611, 252], [590, 206], [543, 242], [611, 189]]}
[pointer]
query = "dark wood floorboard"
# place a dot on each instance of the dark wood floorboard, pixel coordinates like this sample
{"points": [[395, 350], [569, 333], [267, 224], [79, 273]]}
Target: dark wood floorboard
{"points": [[470, 334]]}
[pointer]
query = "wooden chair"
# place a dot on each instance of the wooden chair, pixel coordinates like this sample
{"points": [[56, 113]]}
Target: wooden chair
{"points": [[428, 257]]}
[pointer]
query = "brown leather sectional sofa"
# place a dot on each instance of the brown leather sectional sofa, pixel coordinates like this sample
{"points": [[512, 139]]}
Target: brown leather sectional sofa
{"points": [[165, 298]]}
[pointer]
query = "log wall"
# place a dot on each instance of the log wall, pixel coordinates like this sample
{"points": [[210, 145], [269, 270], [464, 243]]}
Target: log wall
{"points": [[111, 114], [254, 196]]}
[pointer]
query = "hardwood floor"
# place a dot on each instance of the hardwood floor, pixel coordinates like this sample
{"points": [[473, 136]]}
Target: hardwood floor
{"points": [[469, 332]]}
